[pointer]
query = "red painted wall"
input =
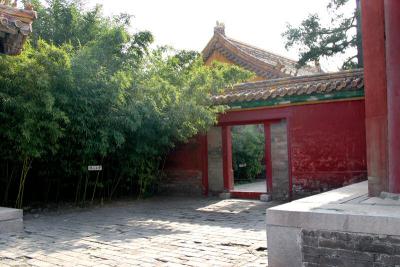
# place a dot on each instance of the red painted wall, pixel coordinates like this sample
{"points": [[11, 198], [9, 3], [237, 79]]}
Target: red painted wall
{"points": [[188, 163], [328, 145], [327, 141], [186, 156]]}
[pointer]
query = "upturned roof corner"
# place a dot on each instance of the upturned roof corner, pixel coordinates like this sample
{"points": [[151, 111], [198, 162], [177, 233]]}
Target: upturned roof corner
{"points": [[15, 26], [265, 64]]}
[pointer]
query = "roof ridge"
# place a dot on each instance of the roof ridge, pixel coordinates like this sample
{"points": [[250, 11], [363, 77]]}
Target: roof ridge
{"points": [[225, 38], [264, 63], [287, 59], [261, 49]]}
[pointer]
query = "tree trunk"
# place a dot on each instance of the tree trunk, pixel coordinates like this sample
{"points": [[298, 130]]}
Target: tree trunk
{"points": [[26, 165]]}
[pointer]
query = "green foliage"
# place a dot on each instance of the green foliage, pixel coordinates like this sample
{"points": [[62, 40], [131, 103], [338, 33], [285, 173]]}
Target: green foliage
{"points": [[314, 40], [248, 146], [63, 21], [88, 92], [30, 122]]}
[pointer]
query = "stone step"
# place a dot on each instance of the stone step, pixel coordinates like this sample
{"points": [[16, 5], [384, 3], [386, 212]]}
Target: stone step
{"points": [[224, 195], [11, 220], [265, 198]]}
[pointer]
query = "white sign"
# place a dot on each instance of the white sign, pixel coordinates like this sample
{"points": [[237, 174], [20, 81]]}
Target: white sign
{"points": [[95, 168]]}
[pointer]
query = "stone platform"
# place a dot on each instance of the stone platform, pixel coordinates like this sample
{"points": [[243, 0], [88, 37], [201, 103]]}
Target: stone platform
{"points": [[338, 228], [10, 220]]}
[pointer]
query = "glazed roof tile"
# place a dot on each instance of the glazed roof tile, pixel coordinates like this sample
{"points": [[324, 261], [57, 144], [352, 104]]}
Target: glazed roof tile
{"points": [[264, 63], [292, 86]]}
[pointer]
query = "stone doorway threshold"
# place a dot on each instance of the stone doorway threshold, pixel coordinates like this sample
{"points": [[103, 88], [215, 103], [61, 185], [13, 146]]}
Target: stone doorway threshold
{"points": [[256, 186], [250, 191], [246, 192]]}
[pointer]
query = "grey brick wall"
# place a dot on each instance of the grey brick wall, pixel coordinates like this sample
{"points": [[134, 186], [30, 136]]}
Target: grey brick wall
{"points": [[215, 162], [280, 165], [327, 248]]}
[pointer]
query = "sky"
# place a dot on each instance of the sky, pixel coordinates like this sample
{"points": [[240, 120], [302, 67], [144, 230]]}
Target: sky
{"points": [[189, 24]]}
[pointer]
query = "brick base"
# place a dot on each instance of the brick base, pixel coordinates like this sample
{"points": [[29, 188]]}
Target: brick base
{"points": [[330, 248], [182, 183]]}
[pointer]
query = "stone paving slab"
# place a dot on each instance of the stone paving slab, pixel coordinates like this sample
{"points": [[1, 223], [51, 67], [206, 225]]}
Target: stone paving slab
{"points": [[154, 232], [10, 220]]}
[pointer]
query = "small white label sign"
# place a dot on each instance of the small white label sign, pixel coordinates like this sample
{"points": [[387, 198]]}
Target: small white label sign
{"points": [[95, 168]]}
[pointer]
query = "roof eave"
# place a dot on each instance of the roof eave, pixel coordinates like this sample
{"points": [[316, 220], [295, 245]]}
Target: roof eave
{"points": [[319, 84]]}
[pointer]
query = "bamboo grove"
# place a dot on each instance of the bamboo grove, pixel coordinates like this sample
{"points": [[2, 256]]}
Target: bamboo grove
{"points": [[87, 91]]}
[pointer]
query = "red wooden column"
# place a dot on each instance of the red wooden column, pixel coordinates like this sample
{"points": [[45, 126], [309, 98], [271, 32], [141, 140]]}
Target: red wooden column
{"points": [[373, 31], [227, 158], [268, 157], [392, 30]]}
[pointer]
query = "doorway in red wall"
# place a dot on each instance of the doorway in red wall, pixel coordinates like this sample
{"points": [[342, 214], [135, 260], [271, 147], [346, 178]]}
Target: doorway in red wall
{"points": [[273, 150], [248, 159]]}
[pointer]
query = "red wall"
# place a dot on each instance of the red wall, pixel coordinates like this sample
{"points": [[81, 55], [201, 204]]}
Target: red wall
{"points": [[326, 141], [187, 167], [187, 156], [328, 144]]}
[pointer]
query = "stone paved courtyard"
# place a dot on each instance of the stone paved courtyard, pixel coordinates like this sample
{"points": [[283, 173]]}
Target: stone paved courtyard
{"points": [[154, 232]]}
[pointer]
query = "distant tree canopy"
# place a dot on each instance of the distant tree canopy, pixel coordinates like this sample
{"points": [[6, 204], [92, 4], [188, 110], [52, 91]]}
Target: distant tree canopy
{"points": [[86, 91], [314, 40]]}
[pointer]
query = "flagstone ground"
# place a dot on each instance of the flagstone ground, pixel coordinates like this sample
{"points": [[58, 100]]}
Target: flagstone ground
{"points": [[154, 232]]}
